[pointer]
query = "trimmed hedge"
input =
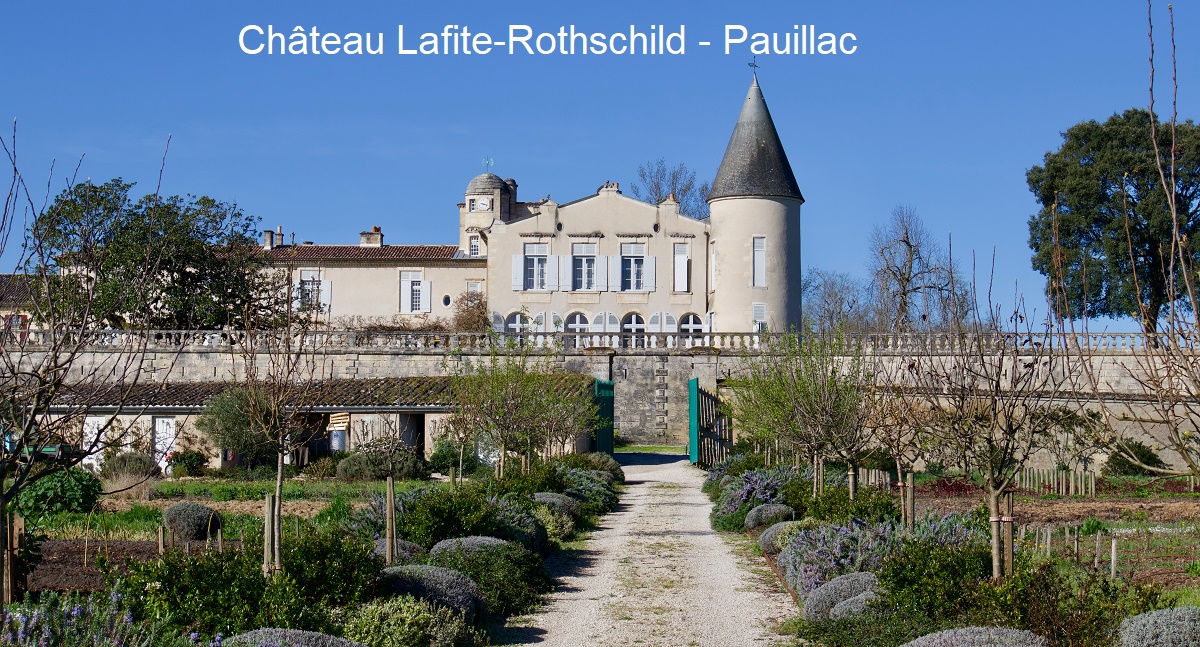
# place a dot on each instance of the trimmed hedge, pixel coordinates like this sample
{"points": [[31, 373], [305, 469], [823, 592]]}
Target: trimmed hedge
{"points": [[852, 607], [443, 586], [403, 550], [768, 514], [1178, 627], [980, 637], [511, 578], [467, 544], [560, 503], [824, 598], [191, 521], [406, 621], [287, 638]]}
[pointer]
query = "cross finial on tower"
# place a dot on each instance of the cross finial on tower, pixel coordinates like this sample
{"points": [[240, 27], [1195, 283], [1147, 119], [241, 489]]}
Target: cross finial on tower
{"points": [[488, 163]]}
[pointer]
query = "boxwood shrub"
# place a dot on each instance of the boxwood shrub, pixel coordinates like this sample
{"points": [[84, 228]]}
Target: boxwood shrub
{"points": [[407, 621], [511, 578]]}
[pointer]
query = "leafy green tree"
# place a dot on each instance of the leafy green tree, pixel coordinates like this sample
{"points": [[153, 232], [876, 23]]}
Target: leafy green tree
{"points": [[1104, 233], [200, 254], [227, 421]]}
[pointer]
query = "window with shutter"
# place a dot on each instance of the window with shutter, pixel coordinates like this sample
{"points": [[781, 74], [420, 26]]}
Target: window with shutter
{"points": [[758, 317], [760, 262], [680, 283]]}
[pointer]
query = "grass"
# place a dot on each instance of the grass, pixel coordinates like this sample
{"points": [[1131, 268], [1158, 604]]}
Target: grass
{"points": [[651, 449], [139, 523], [227, 490]]}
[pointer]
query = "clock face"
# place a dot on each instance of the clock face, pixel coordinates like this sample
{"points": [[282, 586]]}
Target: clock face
{"points": [[483, 204]]}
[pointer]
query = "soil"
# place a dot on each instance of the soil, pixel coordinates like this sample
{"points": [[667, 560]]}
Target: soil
{"points": [[1161, 510], [72, 565]]}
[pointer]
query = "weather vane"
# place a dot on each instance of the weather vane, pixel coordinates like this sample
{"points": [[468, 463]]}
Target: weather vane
{"points": [[488, 163], [754, 64]]}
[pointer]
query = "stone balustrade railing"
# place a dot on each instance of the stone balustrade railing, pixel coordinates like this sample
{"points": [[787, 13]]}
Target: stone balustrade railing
{"points": [[575, 343]]}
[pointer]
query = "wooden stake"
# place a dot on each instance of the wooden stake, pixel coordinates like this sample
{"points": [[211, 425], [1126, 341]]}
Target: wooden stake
{"points": [[912, 500], [268, 533], [1096, 564], [1112, 563], [390, 516], [220, 541], [162, 540]]}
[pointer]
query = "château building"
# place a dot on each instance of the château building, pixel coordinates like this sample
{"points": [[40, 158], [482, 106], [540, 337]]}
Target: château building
{"points": [[604, 263]]}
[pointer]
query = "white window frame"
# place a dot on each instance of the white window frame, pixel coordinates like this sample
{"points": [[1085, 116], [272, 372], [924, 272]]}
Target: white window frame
{"points": [[474, 286], [583, 267], [415, 293], [517, 323], [310, 288], [758, 269], [536, 262], [633, 267], [691, 324], [474, 247]]}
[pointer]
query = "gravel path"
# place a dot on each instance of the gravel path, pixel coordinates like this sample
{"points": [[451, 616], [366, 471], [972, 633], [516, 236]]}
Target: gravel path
{"points": [[655, 573]]}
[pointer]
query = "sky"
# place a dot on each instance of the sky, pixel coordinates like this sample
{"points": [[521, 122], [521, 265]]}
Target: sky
{"points": [[942, 107]]}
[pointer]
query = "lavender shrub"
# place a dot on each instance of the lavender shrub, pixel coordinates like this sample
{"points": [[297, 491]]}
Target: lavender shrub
{"points": [[99, 620], [815, 556]]}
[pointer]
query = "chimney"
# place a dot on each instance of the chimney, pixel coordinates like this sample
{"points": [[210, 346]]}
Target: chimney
{"points": [[373, 238], [268, 240]]}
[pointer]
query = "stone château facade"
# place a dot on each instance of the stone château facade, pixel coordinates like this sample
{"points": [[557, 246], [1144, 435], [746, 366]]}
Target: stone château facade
{"points": [[605, 263]]}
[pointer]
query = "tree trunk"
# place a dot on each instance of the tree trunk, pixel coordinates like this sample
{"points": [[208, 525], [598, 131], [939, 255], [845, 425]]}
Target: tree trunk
{"points": [[461, 450], [852, 478], [278, 529], [903, 502], [997, 540]]}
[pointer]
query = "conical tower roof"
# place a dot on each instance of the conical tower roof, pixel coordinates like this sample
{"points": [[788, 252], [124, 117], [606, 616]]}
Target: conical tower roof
{"points": [[754, 162]]}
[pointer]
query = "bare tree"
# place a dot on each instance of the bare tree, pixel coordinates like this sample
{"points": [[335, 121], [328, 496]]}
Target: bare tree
{"points": [[50, 376], [656, 182], [911, 273], [835, 301], [994, 399]]}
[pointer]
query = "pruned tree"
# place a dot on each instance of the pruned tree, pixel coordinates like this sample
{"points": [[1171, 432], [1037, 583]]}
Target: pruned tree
{"points": [[471, 313], [911, 274], [994, 398], [518, 403], [807, 395], [280, 366], [657, 181]]}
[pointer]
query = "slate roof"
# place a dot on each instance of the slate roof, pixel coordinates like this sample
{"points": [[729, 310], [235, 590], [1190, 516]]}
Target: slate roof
{"points": [[360, 253], [755, 163], [413, 393]]}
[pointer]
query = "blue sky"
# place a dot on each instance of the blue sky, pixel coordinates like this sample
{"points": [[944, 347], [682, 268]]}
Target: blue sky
{"points": [[943, 107]]}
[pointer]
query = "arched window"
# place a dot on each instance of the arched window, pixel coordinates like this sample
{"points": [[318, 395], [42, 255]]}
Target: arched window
{"points": [[691, 324], [516, 323], [577, 323], [691, 327], [633, 327]]}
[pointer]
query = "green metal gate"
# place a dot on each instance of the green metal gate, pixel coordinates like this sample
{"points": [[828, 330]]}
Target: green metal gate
{"points": [[710, 434], [605, 401]]}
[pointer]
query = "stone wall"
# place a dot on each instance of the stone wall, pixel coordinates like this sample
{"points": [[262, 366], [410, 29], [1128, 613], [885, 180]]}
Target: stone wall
{"points": [[650, 375]]}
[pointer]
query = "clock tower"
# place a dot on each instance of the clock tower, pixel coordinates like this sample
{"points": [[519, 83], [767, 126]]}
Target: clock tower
{"points": [[488, 198]]}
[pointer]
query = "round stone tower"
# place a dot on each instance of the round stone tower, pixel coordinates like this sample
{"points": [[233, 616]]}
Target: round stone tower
{"points": [[754, 222]]}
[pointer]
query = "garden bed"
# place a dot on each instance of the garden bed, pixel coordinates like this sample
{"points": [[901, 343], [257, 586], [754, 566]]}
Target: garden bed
{"points": [[1072, 510], [64, 568]]}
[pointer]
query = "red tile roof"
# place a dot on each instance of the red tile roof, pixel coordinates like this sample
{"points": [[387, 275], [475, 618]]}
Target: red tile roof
{"points": [[360, 253]]}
